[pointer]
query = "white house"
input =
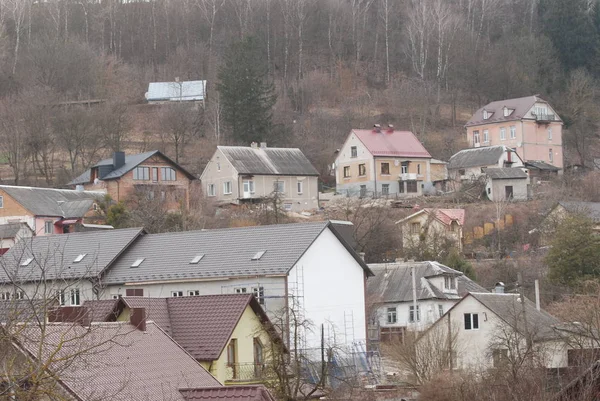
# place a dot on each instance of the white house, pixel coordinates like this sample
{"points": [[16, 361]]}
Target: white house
{"points": [[285, 266], [391, 302], [469, 164]]}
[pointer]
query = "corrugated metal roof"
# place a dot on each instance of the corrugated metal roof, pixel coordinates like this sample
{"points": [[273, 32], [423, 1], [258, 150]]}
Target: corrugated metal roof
{"points": [[176, 91], [54, 202], [479, 157], [540, 165], [505, 173], [117, 361], [520, 105], [54, 255], [393, 282], [268, 161], [396, 143], [228, 393]]}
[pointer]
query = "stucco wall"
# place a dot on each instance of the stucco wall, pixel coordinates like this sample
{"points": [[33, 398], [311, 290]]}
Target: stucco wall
{"points": [[436, 231], [429, 313], [496, 189]]}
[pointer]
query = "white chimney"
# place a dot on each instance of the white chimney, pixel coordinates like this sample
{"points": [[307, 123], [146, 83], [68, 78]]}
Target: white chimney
{"points": [[499, 288], [263, 145], [79, 188]]}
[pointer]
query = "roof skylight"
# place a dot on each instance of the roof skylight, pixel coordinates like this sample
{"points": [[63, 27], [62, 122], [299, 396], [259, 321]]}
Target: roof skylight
{"points": [[26, 262], [138, 262], [197, 259], [258, 255], [79, 258]]}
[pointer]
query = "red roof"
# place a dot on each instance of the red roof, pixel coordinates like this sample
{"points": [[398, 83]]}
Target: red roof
{"points": [[236, 393], [447, 216], [395, 143]]}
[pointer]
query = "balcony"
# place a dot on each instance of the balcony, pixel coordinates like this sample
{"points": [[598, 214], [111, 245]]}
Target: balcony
{"points": [[246, 373], [408, 176], [543, 118]]}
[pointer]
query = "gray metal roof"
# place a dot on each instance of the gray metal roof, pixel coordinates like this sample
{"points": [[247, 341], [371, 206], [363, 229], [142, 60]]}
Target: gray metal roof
{"points": [[176, 91], [54, 255], [268, 161], [227, 253], [540, 165], [393, 282], [478, 157], [53, 202], [11, 230], [540, 324], [589, 209], [505, 173]]}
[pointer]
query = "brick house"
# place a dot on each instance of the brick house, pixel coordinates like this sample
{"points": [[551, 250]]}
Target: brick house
{"points": [[151, 173]]}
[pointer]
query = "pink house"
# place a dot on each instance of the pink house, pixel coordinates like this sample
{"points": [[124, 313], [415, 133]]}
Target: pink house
{"points": [[529, 125]]}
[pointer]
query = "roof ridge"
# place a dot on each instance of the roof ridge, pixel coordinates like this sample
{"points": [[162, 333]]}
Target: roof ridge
{"points": [[53, 189]]}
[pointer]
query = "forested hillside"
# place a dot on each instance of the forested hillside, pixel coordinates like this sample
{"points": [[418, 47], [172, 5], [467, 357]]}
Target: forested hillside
{"points": [[422, 65]]}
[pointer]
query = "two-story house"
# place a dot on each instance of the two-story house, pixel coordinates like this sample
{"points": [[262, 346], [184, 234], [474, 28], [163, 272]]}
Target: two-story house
{"points": [[229, 334], [392, 297], [382, 162], [529, 125], [430, 227], [151, 174], [238, 174], [48, 210]]}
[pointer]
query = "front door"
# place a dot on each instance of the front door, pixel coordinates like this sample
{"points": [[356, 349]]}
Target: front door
{"points": [[248, 188], [508, 192]]}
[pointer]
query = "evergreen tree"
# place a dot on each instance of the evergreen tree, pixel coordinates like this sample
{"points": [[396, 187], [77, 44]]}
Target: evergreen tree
{"points": [[247, 96]]}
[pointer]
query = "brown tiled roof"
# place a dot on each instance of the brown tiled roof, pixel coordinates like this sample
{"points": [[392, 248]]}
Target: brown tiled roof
{"points": [[156, 310], [116, 361], [101, 310], [235, 393]]}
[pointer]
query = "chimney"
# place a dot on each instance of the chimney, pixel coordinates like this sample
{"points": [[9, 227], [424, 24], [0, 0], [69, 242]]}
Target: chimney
{"points": [[377, 128], [390, 129], [254, 145], [137, 317], [509, 155], [499, 288], [362, 256], [118, 160], [79, 188], [263, 145]]}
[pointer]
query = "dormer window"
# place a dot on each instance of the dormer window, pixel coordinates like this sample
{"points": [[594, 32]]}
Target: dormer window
{"points": [[486, 115], [507, 111]]}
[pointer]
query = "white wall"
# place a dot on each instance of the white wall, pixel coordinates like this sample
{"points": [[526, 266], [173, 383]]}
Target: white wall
{"points": [[50, 288], [333, 291], [429, 310]]}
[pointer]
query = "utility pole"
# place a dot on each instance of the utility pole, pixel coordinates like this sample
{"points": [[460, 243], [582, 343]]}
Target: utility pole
{"points": [[414, 293], [524, 310]]}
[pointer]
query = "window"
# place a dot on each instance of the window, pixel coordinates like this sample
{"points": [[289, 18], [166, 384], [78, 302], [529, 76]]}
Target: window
{"points": [[134, 292], [258, 255], [259, 358], [232, 356], [404, 168], [5, 296], [210, 190], [62, 299], [168, 174], [150, 195], [19, 295], [362, 169], [419, 169], [300, 187], [248, 187], [476, 137], [241, 290], [392, 315], [411, 186], [449, 283], [1, 202], [401, 187], [154, 174], [441, 310], [550, 155], [26, 262], [196, 259], [471, 321], [227, 188], [79, 258], [48, 227], [502, 133], [506, 112], [218, 166], [385, 189], [193, 293], [486, 115], [279, 187], [287, 207], [75, 297], [363, 191], [550, 133], [176, 294], [95, 206], [415, 228], [259, 294], [513, 131], [486, 136], [137, 262], [353, 152], [346, 171], [385, 168], [499, 357], [141, 173], [411, 314]]}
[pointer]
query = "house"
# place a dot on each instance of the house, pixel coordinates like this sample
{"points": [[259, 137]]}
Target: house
{"points": [[151, 174], [384, 162], [527, 124], [286, 266], [469, 164], [541, 171], [562, 209], [240, 174], [438, 225], [506, 183], [178, 91], [392, 304], [492, 328], [48, 210], [11, 233], [229, 334]]}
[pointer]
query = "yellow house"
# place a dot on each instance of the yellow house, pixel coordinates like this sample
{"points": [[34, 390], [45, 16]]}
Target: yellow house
{"points": [[229, 334]]}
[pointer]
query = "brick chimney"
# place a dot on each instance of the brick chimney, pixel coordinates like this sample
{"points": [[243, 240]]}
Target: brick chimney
{"points": [[376, 128], [118, 160], [137, 317], [390, 129]]}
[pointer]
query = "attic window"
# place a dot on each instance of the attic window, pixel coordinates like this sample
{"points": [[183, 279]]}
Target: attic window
{"points": [[197, 259], [258, 255], [26, 262], [507, 111], [486, 115], [79, 258], [138, 262]]}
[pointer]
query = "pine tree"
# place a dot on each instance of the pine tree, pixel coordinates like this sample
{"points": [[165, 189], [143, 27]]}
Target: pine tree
{"points": [[247, 96]]}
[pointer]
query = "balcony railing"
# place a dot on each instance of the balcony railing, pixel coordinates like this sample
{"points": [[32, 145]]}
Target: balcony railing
{"points": [[246, 372], [408, 176], [544, 117]]}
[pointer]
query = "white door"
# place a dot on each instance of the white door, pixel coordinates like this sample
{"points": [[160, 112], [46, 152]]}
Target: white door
{"points": [[248, 188]]}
